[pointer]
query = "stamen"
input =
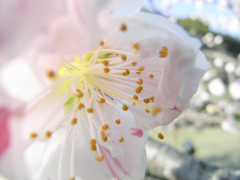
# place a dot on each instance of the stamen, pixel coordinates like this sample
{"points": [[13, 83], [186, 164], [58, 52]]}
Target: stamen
{"points": [[136, 46], [123, 57], [104, 137], [33, 135], [90, 110], [121, 95], [127, 71], [140, 81], [139, 89], [101, 100], [79, 93], [146, 100], [124, 73], [99, 159], [105, 127], [138, 72], [80, 106], [152, 99], [106, 70], [164, 52], [105, 62], [134, 63], [123, 27], [147, 111], [93, 147], [117, 121], [136, 98], [71, 179], [160, 136], [125, 107], [48, 134], [74, 121], [141, 68], [101, 43], [93, 143], [51, 74], [121, 140], [151, 76], [164, 48]]}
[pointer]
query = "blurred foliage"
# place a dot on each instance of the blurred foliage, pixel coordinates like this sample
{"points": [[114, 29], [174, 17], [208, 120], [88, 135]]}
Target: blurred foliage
{"points": [[194, 25], [212, 144], [231, 45]]}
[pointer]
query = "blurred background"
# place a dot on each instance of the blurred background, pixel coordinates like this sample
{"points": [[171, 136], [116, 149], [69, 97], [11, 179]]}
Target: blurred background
{"points": [[204, 142]]}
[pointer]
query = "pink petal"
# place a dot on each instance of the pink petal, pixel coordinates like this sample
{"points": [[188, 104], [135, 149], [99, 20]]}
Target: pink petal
{"points": [[4, 131], [137, 132]]}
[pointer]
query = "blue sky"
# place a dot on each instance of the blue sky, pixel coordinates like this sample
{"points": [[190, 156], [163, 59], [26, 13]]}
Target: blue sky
{"points": [[184, 10]]}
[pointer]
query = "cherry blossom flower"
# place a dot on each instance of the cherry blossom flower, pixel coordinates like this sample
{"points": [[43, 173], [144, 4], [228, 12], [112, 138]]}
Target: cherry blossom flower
{"points": [[110, 74]]}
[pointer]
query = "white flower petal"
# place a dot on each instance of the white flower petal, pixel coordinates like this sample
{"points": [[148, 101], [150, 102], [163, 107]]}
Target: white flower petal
{"points": [[129, 166]]}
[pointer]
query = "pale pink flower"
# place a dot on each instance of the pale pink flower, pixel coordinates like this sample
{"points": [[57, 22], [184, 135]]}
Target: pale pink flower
{"points": [[105, 66], [12, 145], [21, 20]]}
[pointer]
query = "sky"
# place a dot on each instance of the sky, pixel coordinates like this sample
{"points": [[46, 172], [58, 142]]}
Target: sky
{"points": [[184, 10]]}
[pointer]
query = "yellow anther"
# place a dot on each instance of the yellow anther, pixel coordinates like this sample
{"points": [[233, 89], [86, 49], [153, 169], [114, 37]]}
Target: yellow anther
{"points": [[140, 87], [164, 48], [51, 74], [101, 100], [147, 111], [156, 110], [151, 76], [117, 121], [164, 52], [48, 134], [138, 90], [102, 157], [123, 27], [101, 43], [127, 71], [152, 99], [93, 147], [135, 97], [74, 121], [105, 127], [93, 141], [79, 93], [124, 73], [33, 135], [160, 72], [121, 140], [99, 159], [138, 72], [136, 46], [90, 110], [125, 107], [123, 57], [160, 136], [140, 81], [71, 179], [146, 101], [134, 63], [163, 55], [106, 70], [105, 62], [141, 68], [104, 137], [80, 106]]}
